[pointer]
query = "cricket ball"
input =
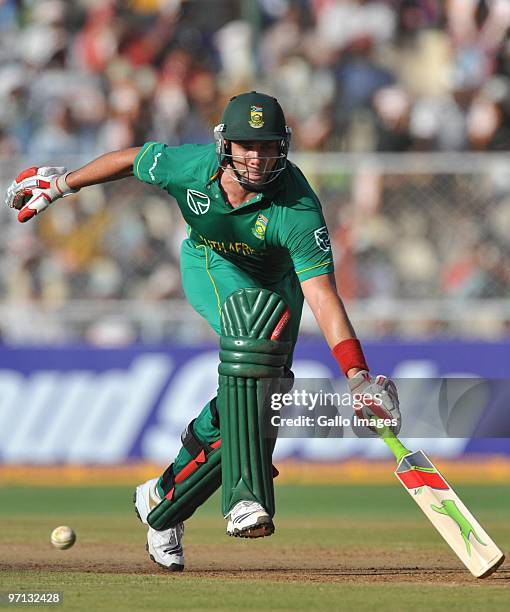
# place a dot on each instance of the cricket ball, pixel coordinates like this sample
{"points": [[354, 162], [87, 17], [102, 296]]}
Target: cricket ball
{"points": [[63, 537]]}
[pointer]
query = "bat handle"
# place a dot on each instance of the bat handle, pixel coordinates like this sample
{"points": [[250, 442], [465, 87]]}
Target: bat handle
{"points": [[395, 445]]}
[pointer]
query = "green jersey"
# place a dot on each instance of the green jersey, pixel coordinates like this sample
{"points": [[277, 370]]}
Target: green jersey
{"points": [[277, 231]]}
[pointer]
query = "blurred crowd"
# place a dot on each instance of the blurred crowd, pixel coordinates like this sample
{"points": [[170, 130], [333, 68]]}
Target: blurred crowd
{"points": [[390, 75], [81, 78], [452, 243]]}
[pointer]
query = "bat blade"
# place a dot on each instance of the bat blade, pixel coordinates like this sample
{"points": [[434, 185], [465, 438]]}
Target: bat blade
{"points": [[448, 514]]}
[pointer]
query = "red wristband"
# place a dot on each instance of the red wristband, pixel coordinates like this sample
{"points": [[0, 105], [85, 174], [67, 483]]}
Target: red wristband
{"points": [[349, 354]]}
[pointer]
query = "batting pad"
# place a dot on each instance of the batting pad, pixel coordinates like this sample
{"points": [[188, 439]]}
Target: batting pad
{"points": [[196, 483], [254, 350]]}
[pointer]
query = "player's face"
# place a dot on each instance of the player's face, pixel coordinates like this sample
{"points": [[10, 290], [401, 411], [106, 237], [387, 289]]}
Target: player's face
{"points": [[255, 159]]}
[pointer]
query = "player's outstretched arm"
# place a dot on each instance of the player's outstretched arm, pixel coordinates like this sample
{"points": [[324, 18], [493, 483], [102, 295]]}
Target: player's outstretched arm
{"points": [[377, 396], [109, 167], [34, 189], [321, 294]]}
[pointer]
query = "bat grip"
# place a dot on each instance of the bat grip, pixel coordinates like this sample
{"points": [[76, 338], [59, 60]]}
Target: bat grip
{"points": [[394, 444]]}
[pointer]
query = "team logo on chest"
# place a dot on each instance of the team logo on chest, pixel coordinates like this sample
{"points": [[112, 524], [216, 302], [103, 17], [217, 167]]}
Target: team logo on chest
{"points": [[259, 229], [198, 202], [322, 238], [256, 117]]}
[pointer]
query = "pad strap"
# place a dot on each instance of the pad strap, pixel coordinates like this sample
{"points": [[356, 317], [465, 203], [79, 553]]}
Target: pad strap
{"points": [[192, 444], [215, 417], [198, 451]]}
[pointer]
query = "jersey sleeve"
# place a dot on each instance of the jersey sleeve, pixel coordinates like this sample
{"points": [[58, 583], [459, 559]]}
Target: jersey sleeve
{"points": [[306, 237], [153, 163]]}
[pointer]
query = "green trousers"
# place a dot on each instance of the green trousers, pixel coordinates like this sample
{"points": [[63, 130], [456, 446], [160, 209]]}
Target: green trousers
{"points": [[208, 279]]}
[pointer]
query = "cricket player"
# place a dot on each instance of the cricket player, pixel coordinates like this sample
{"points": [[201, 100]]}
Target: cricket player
{"points": [[257, 246]]}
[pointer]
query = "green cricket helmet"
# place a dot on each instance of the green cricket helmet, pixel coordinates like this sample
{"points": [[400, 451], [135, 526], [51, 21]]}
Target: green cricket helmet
{"points": [[253, 116]]}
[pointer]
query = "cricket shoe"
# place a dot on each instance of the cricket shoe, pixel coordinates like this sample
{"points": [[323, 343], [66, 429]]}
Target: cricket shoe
{"points": [[164, 547], [248, 519]]}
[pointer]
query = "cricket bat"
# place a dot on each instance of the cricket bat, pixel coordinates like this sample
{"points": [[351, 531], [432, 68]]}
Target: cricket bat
{"points": [[445, 510]]}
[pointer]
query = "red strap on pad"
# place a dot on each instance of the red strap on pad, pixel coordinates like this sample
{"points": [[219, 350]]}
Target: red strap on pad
{"points": [[193, 465]]}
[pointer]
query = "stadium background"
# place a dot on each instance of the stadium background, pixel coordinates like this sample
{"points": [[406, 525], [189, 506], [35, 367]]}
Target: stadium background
{"points": [[400, 113]]}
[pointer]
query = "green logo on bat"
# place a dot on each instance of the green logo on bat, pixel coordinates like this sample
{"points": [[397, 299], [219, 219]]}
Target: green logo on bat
{"points": [[449, 507]]}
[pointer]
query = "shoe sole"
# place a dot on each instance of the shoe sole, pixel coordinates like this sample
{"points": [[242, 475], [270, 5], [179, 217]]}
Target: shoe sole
{"points": [[261, 529], [174, 567]]}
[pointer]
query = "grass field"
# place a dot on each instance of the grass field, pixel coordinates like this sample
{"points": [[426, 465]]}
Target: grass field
{"points": [[336, 548]]}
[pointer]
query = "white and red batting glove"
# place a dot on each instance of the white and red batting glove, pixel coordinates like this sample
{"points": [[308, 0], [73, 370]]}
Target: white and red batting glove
{"points": [[375, 398], [34, 189], [372, 398]]}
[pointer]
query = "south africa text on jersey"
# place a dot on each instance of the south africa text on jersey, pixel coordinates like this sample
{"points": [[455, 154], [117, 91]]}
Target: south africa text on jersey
{"points": [[241, 248]]}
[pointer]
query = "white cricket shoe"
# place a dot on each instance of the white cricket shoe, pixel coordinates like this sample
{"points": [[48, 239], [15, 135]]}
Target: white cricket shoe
{"points": [[248, 519], [164, 547], [146, 498]]}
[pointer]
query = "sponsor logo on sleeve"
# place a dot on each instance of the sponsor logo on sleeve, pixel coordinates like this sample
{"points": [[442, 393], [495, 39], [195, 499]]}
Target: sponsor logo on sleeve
{"points": [[322, 238], [198, 202]]}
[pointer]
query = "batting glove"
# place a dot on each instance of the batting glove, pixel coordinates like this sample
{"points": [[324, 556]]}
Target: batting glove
{"points": [[34, 189], [375, 398]]}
